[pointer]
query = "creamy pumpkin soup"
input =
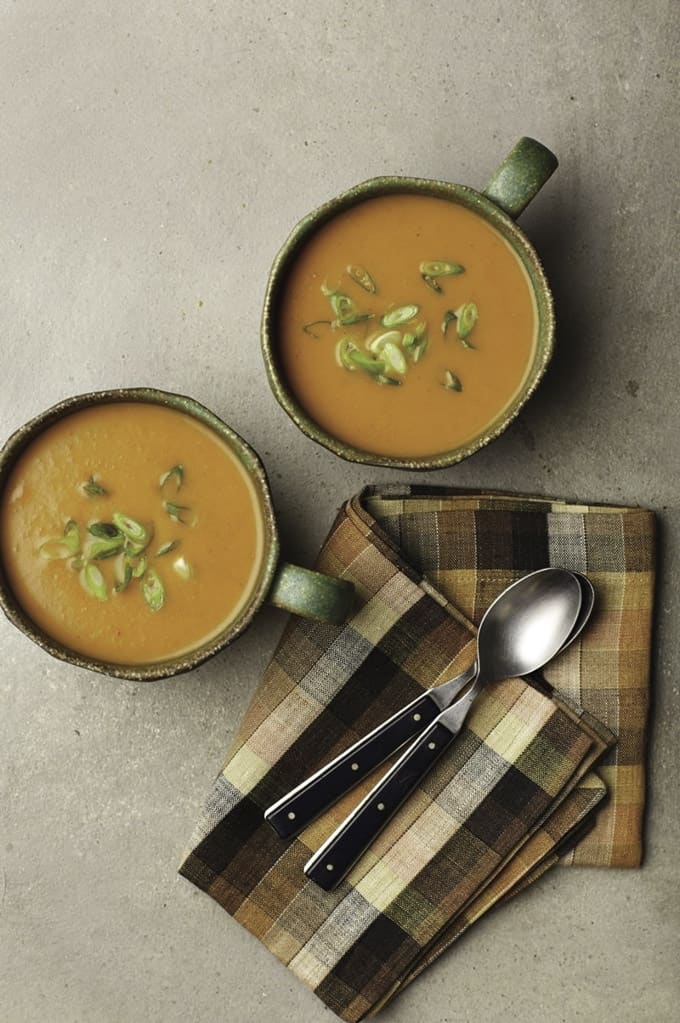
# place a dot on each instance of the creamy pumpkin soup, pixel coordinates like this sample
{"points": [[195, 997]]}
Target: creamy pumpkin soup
{"points": [[130, 532], [406, 325]]}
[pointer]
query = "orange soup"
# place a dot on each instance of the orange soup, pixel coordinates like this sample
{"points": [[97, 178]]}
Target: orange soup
{"points": [[130, 532], [407, 325]]}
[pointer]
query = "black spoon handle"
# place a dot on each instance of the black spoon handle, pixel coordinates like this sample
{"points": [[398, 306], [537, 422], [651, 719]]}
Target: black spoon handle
{"points": [[306, 801], [335, 857]]}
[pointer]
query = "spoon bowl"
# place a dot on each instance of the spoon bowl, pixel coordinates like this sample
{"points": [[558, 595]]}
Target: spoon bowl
{"points": [[587, 605], [527, 624]]}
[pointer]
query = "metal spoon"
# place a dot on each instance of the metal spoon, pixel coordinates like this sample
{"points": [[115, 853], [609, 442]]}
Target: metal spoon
{"points": [[587, 605], [306, 801], [523, 628]]}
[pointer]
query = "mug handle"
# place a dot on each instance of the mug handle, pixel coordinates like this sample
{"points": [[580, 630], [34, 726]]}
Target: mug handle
{"points": [[322, 598], [522, 174]]}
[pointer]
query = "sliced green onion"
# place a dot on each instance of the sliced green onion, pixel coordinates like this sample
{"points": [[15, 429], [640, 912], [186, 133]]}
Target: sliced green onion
{"points": [[165, 548], [175, 511], [451, 381], [349, 321], [362, 277], [342, 305], [342, 352], [431, 283], [375, 344], [394, 357], [420, 349], [153, 590], [130, 528], [352, 358], [449, 317], [133, 550], [416, 344], [55, 550], [440, 268], [66, 546], [101, 549], [93, 488], [467, 315], [364, 362], [403, 314], [94, 582], [183, 568], [104, 530], [139, 569], [72, 536], [177, 472], [123, 583], [345, 310], [389, 381]]}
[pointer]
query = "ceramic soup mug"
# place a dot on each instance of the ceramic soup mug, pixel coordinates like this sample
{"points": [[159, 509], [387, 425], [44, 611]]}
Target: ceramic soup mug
{"points": [[407, 321], [138, 537]]}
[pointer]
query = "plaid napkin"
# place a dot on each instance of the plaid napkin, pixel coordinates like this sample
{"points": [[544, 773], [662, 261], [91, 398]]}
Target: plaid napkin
{"points": [[516, 792]]}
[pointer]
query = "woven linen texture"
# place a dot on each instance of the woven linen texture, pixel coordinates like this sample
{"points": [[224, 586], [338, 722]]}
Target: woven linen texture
{"points": [[515, 793]]}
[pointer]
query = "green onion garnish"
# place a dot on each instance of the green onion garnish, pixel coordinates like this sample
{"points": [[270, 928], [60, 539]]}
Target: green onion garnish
{"points": [[165, 548], [100, 549], [123, 583], [94, 582], [440, 268], [467, 315], [175, 511], [66, 546], [403, 314], [153, 590], [93, 488], [177, 472], [130, 528], [451, 381], [362, 277], [449, 317], [104, 530], [139, 569]]}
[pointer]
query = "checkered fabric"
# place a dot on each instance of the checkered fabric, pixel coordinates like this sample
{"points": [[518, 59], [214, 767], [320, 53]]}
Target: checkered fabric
{"points": [[514, 795]]}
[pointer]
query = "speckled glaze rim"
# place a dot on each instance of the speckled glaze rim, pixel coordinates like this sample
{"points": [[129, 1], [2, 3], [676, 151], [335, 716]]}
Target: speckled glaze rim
{"points": [[465, 196], [250, 461]]}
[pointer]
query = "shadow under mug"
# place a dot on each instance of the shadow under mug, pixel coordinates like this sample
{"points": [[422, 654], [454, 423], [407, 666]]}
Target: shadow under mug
{"points": [[511, 188], [290, 587]]}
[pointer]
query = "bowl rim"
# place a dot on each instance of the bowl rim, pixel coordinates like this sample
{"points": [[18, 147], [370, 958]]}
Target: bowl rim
{"points": [[389, 185], [21, 438]]}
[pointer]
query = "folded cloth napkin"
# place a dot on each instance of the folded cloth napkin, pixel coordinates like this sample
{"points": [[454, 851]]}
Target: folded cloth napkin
{"points": [[514, 795]]}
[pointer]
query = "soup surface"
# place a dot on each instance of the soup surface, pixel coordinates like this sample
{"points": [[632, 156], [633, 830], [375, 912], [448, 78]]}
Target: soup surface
{"points": [[130, 532], [407, 325]]}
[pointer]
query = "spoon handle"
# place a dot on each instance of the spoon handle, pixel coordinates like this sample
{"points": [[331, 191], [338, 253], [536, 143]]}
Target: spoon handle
{"points": [[306, 801], [337, 855]]}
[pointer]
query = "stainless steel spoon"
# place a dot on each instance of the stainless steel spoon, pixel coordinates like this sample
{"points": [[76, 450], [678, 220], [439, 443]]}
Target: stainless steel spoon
{"points": [[587, 605], [522, 630], [311, 797]]}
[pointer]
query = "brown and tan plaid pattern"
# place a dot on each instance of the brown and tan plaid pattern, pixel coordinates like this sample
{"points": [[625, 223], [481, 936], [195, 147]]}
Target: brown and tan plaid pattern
{"points": [[516, 792]]}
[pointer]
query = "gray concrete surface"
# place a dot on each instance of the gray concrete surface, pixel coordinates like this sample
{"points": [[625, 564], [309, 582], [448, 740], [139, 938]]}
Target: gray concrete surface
{"points": [[153, 156]]}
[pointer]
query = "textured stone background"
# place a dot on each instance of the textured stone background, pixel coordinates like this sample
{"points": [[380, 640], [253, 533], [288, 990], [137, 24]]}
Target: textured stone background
{"points": [[153, 157]]}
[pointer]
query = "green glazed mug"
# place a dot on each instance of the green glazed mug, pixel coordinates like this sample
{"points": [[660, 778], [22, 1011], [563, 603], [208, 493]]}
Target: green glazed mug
{"points": [[514, 184], [295, 589]]}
